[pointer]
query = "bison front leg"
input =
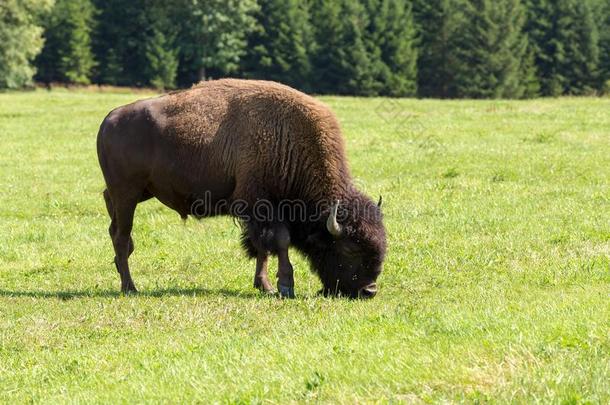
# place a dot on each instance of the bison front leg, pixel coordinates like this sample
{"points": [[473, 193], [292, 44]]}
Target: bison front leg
{"points": [[285, 277], [261, 277]]}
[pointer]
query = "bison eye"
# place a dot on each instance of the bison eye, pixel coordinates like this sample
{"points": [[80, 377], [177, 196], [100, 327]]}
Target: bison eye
{"points": [[350, 249]]}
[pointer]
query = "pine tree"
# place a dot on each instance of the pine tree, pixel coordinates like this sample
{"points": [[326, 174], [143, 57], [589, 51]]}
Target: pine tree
{"points": [[135, 43], [528, 73], [279, 47], [490, 50], [600, 9], [582, 49], [161, 46], [564, 38], [436, 22], [604, 48], [541, 32], [120, 42], [67, 55], [162, 61], [341, 62], [20, 40], [390, 37]]}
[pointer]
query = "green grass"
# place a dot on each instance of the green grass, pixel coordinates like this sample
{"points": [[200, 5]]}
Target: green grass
{"points": [[496, 285]]}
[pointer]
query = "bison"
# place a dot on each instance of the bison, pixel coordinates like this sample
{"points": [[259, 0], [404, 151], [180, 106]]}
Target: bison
{"points": [[230, 147]]}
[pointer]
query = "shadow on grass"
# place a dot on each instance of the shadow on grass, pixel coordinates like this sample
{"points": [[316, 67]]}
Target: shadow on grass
{"points": [[168, 292]]}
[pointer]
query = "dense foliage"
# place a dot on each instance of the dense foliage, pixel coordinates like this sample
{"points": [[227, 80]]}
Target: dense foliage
{"points": [[20, 40], [426, 48], [67, 54]]}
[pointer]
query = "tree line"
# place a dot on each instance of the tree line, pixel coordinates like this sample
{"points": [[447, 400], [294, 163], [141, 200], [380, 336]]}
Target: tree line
{"points": [[425, 48]]}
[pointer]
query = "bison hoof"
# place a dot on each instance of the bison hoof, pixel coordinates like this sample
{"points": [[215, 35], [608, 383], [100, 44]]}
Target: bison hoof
{"points": [[264, 287], [129, 290], [267, 291], [285, 292]]}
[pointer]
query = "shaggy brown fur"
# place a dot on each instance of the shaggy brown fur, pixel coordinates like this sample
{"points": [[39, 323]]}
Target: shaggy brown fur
{"points": [[241, 140], [293, 141]]}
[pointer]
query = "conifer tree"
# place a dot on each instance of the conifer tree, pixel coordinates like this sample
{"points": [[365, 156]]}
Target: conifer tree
{"points": [[490, 50], [436, 22], [541, 32], [120, 42], [528, 73], [135, 43], [565, 43], [604, 48], [390, 37], [279, 47], [581, 47], [341, 62], [67, 55], [162, 60]]}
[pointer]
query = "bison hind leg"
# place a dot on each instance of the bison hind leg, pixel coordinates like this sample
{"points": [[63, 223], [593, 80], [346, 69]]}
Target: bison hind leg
{"points": [[255, 248], [121, 211], [265, 238]]}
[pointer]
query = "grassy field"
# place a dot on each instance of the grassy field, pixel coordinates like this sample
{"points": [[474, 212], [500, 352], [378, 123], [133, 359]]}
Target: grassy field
{"points": [[496, 285]]}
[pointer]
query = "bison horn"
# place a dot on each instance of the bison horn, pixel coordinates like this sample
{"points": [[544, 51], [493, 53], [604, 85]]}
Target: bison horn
{"points": [[380, 201], [331, 223]]}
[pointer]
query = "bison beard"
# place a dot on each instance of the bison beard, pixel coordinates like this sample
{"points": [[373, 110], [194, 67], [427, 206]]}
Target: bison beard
{"points": [[240, 142]]}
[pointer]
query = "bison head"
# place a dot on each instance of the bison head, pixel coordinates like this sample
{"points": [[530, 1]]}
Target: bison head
{"points": [[348, 255]]}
